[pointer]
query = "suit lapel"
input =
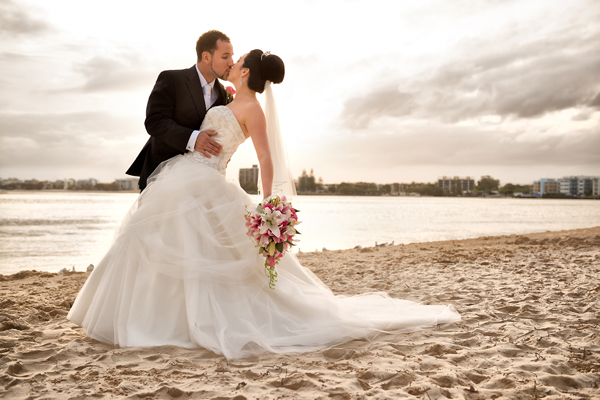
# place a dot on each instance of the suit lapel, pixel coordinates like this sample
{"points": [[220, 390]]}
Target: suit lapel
{"points": [[221, 94], [195, 88]]}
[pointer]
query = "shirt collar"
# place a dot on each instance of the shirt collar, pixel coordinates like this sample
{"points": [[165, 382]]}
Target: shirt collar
{"points": [[203, 80]]}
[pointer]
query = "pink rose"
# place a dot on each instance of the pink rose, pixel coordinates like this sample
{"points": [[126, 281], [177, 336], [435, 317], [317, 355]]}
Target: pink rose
{"points": [[230, 90]]}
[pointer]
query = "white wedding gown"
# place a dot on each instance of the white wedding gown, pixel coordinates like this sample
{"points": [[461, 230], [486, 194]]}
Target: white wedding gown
{"points": [[182, 271]]}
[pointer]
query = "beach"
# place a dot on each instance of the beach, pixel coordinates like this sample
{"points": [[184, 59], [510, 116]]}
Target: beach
{"points": [[530, 329]]}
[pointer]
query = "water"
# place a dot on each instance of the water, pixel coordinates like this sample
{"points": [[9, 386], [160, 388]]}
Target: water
{"points": [[343, 222], [47, 231]]}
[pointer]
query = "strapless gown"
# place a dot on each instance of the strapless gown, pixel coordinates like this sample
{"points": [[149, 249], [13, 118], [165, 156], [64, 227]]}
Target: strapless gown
{"points": [[182, 271]]}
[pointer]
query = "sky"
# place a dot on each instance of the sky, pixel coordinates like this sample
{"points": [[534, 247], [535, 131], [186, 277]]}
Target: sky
{"points": [[377, 91]]}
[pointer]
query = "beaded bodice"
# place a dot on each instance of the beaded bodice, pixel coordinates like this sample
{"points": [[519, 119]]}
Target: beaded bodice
{"points": [[230, 135]]}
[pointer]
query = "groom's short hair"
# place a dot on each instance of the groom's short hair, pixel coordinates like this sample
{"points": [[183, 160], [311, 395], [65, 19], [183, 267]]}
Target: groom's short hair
{"points": [[208, 42]]}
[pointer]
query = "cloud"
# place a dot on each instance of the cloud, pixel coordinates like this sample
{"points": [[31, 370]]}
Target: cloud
{"points": [[595, 101], [116, 73], [438, 144], [16, 68], [15, 21], [71, 140], [501, 78]]}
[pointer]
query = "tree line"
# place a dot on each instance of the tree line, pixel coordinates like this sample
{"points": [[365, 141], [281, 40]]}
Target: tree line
{"points": [[307, 184], [42, 185]]}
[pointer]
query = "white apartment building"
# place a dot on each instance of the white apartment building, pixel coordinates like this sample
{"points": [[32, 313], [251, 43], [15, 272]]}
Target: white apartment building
{"points": [[579, 185]]}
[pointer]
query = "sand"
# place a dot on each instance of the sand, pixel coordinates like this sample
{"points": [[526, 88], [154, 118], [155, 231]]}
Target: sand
{"points": [[530, 330]]}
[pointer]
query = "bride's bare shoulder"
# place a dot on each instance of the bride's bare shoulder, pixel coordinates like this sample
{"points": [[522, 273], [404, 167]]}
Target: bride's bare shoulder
{"points": [[252, 107], [246, 108], [252, 111], [249, 115], [254, 118]]}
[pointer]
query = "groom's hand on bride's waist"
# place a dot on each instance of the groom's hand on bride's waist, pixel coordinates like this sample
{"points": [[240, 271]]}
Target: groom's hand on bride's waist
{"points": [[206, 145]]}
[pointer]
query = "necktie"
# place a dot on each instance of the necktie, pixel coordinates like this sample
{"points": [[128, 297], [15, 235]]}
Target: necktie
{"points": [[207, 95]]}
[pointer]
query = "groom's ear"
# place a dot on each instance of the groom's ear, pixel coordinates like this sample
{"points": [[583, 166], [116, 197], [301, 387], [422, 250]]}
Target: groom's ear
{"points": [[206, 57]]}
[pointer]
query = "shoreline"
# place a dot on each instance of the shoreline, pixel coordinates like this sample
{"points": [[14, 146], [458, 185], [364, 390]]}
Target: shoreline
{"points": [[23, 191], [565, 231], [529, 329], [434, 242]]}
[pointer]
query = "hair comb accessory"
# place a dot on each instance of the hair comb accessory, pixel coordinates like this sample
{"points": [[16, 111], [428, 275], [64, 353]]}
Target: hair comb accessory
{"points": [[266, 53]]}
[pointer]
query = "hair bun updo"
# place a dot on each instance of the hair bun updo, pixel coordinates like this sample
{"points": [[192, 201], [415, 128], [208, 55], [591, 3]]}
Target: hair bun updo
{"points": [[263, 67], [272, 68]]}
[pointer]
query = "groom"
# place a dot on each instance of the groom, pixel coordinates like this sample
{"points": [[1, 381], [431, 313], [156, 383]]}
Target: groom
{"points": [[178, 104]]}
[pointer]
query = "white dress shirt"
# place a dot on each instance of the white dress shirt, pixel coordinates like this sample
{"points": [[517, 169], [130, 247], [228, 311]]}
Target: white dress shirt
{"points": [[192, 141]]}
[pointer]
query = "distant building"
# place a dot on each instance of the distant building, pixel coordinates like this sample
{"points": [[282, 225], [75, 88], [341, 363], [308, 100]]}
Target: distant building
{"points": [[86, 183], [585, 186], [456, 184], [10, 181], [397, 189], [69, 183], [59, 184], [595, 187], [575, 186], [307, 183], [329, 187], [568, 185], [546, 186], [249, 175], [579, 185], [127, 183]]}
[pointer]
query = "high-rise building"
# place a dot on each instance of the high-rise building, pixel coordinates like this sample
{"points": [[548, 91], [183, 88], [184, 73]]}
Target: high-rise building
{"points": [[457, 185], [397, 188], [249, 175]]}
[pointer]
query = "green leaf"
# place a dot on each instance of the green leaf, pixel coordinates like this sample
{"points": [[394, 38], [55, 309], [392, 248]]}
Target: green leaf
{"points": [[261, 250], [279, 247]]}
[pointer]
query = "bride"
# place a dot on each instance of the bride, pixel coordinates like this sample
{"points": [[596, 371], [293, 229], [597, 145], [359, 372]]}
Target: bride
{"points": [[182, 271]]}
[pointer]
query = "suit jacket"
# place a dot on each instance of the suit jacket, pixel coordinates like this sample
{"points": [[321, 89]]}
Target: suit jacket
{"points": [[175, 109]]}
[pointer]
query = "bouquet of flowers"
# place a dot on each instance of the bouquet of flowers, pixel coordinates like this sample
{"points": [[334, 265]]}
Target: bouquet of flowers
{"points": [[272, 227]]}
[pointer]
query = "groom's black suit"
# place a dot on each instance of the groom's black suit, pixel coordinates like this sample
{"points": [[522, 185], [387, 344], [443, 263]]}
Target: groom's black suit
{"points": [[175, 109]]}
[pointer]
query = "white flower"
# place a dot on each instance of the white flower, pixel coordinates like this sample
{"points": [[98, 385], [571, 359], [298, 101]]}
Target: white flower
{"points": [[271, 221], [290, 231]]}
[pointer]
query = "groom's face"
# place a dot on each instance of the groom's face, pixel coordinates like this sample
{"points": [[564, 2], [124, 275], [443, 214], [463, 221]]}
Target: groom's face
{"points": [[222, 60]]}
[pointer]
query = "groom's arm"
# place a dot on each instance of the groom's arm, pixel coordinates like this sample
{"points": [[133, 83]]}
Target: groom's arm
{"points": [[160, 111]]}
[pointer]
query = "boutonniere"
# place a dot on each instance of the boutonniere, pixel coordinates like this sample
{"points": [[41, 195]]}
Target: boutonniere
{"points": [[229, 93]]}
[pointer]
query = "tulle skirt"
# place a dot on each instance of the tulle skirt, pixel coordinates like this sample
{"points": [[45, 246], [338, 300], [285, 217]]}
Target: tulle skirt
{"points": [[182, 271]]}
